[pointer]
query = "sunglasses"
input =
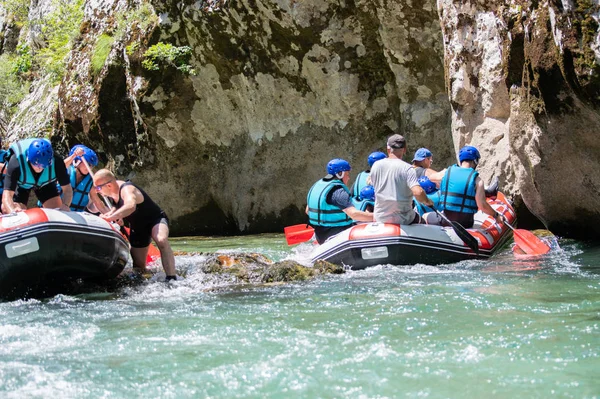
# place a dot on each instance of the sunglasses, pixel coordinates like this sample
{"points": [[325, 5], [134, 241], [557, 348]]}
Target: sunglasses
{"points": [[99, 187]]}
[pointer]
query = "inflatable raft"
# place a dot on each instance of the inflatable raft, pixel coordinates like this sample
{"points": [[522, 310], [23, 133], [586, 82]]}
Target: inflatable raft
{"points": [[371, 244], [41, 249]]}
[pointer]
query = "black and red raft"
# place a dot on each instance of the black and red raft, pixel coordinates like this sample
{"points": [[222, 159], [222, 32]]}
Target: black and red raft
{"points": [[43, 250]]}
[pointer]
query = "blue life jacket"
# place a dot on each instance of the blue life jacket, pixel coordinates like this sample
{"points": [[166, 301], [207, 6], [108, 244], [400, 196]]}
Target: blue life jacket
{"points": [[458, 190], [80, 191], [27, 178], [360, 183], [320, 213], [362, 204], [422, 209]]}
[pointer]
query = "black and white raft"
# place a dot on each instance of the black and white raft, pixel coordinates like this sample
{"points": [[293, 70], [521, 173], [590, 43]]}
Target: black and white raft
{"points": [[371, 244]]}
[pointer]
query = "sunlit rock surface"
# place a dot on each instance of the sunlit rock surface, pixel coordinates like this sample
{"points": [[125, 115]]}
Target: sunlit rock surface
{"points": [[524, 85], [281, 87]]}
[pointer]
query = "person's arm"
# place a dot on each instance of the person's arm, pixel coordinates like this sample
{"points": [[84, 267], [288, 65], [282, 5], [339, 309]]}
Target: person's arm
{"points": [[434, 176], [421, 196], [69, 160], [358, 216], [482, 204], [341, 198], [129, 195], [8, 205], [67, 195], [64, 180], [13, 172]]}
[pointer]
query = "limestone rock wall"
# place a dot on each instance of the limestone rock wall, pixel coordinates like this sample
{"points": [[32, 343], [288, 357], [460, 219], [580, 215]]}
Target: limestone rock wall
{"points": [[281, 87], [524, 84]]}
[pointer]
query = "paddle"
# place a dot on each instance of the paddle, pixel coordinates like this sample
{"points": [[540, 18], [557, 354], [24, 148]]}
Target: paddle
{"points": [[462, 233], [527, 241], [298, 233]]}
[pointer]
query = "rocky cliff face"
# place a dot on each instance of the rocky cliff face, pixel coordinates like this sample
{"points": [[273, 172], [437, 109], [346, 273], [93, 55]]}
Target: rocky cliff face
{"points": [[524, 84], [282, 86]]}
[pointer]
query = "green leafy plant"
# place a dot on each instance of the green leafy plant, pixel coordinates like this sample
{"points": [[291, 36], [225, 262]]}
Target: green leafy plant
{"points": [[23, 61], [17, 9], [12, 89], [165, 55], [132, 48], [100, 54]]}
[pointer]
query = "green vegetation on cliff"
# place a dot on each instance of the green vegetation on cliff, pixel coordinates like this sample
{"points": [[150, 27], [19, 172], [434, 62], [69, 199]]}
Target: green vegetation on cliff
{"points": [[56, 30], [165, 54], [100, 53], [59, 29]]}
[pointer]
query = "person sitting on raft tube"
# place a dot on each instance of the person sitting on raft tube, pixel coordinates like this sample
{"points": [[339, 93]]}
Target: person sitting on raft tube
{"points": [[147, 221], [366, 200], [422, 164], [395, 183], [329, 204], [462, 191], [362, 179], [33, 165]]}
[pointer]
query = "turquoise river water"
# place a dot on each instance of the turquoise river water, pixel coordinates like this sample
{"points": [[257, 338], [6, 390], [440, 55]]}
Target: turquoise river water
{"points": [[503, 328]]}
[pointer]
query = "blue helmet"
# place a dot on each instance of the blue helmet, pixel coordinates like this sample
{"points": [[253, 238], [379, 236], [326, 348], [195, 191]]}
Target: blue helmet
{"points": [[368, 193], [90, 156], [427, 185], [40, 153], [337, 165], [376, 156], [469, 153]]}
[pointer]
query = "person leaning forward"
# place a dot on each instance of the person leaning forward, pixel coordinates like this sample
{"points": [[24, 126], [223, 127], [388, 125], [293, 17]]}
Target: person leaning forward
{"points": [[329, 205], [395, 183], [146, 219], [33, 165]]}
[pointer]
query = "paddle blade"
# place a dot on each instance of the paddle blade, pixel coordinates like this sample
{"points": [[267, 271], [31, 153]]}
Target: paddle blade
{"points": [[529, 243], [466, 237], [298, 233], [153, 254]]}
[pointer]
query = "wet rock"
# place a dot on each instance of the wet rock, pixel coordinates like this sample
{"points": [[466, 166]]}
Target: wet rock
{"points": [[256, 268]]}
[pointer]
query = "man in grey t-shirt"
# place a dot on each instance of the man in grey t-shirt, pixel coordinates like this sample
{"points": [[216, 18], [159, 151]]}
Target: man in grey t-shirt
{"points": [[395, 183]]}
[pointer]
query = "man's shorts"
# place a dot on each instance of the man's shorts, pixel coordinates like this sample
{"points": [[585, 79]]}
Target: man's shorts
{"points": [[43, 193], [141, 237]]}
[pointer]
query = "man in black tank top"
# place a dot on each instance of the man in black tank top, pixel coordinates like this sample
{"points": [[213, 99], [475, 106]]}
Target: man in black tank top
{"points": [[146, 219]]}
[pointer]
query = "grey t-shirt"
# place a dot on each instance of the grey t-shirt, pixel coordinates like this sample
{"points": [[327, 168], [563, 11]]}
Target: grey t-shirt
{"points": [[419, 171], [393, 180]]}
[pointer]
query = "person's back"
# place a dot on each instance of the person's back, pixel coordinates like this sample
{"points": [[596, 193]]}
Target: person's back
{"points": [[462, 192], [392, 179], [329, 204]]}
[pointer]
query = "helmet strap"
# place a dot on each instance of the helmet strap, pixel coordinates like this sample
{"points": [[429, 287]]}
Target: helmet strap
{"points": [[340, 175]]}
